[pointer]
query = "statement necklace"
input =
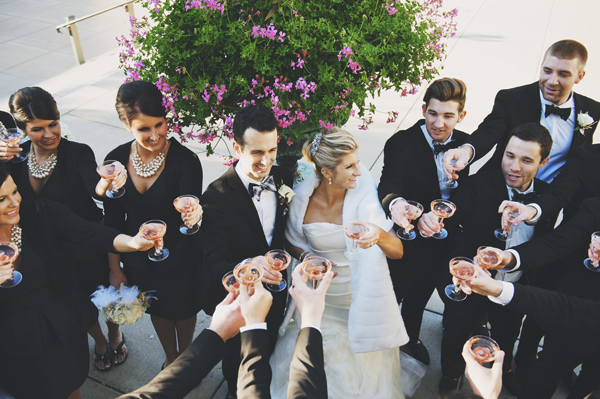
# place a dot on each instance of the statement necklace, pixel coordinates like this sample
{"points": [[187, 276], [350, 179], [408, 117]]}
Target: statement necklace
{"points": [[147, 169], [15, 235], [41, 171]]}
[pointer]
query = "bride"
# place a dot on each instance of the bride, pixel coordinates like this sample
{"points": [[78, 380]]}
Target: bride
{"points": [[362, 327]]}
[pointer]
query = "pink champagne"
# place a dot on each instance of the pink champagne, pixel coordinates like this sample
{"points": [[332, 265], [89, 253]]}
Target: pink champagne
{"points": [[463, 270], [153, 231], [277, 260], [230, 283], [483, 349], [7, 253], [248, 274], [186, 204], [110, 171], [412, 212], [442, 209], [315, 268]]}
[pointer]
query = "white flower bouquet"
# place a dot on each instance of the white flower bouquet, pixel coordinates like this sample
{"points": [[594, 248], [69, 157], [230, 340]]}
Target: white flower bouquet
{"points": [[123, 306]]}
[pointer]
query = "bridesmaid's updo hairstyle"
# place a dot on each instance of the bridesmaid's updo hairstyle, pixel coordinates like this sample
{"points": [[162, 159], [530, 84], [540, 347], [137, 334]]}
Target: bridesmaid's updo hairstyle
{"points": [[139, 97], [326, 149], [30, 103]]}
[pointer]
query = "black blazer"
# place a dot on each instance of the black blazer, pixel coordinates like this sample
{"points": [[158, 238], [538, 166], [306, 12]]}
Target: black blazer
{"points": [[307, 372], [409, 171], [232, 232], [513, 107], [577, 180], [185, 373]]}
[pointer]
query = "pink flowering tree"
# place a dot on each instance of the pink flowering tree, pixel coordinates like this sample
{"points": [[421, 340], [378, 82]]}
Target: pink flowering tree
{"points": [[315, 63]]}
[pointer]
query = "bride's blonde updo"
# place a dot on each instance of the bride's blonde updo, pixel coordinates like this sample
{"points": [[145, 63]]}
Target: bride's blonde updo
{"points": [[326, 149]]}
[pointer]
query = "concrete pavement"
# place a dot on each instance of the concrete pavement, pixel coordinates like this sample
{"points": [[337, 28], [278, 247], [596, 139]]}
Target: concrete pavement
{"points": [[498, 45]]}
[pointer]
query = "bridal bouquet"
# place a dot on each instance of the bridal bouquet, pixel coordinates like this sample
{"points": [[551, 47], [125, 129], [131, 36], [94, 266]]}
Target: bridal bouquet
{"points": [[123, 306]]}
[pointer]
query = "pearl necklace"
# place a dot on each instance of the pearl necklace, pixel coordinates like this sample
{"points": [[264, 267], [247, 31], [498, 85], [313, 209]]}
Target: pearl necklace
{"points": [[15, 236], [41, 171], [147, 169]]}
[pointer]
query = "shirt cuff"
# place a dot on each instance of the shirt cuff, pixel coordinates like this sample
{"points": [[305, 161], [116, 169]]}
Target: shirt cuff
{"points": [[394, 201], [256, 326], [473, 148], [508, 291], [518, 263], [316, 328], [537, 216]]}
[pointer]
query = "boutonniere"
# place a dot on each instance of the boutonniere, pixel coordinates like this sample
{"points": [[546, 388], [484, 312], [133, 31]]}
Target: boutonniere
{"points": [[285, 194], [584, 121]]}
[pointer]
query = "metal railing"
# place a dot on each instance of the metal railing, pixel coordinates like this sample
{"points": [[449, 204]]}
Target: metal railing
{"points": [[71, 26]]}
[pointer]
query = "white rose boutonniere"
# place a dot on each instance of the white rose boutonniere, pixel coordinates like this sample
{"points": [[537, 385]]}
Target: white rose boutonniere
{"points": [[584, 121], [285, 194]]}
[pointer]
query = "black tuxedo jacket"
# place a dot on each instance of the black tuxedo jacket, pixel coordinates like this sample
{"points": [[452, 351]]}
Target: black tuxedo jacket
{"points": [[409, 171], [232, 232], [477, 200], [307, 372], [513, 107], [571, 238], [185, 373], [577, 180]]}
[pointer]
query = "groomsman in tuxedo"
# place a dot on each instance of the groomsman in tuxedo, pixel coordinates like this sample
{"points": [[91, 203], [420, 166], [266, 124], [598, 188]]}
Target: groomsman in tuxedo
{"points": [[477, 200], [412, 170], [550, 101], [244, 217]]}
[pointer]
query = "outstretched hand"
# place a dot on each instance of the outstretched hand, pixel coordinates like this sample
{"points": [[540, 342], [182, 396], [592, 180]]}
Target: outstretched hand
{"points": [[485, 382], [310, 302], [514, 213], [256, 306], [227, 318], [462, 156]]}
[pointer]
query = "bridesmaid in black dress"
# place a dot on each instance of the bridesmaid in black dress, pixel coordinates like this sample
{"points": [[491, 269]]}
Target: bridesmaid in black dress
{"points": [[159, 170], [64, 171], [43, 319]]}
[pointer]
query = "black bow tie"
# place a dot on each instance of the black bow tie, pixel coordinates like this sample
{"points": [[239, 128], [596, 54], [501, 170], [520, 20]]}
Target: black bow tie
{"points": [[439, 148], [523, 198], [563, 113], [256, 189]]}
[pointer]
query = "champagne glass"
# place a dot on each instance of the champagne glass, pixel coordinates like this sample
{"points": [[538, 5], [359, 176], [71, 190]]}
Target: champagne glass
{"points": [[277, 260], [248, 274], [483, 349], [154, 230], [456, 166], [315, 268], [593, 261], [186, 204], [489, 258], [463, 269], [442, 209], [510, 214], [9, 252], [109, 170], [14, 136], [355, 232], [231, 284], [412, 210]]}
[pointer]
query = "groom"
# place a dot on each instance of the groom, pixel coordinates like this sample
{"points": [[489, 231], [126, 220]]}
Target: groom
{"points": [[244, 217]]}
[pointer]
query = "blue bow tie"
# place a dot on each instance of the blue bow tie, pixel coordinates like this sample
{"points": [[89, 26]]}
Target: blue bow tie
{"points": [[256, 189]]}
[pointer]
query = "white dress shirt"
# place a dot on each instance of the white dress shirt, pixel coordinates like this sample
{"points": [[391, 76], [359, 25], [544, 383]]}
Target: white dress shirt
{"points": [[266, 207], [562, 136], [439, 162]]}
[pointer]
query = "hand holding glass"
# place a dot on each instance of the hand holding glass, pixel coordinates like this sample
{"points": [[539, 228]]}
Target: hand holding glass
{"points": [[184, 205], [109, 170], [489, 258], [248, 274], [154, 230], [455, 166], [315, 268], [277, 260], [355, 232], [593, 261], [463, 269], [509, 214], [8, 253], [12, 137], [231, 284], [483, 349], [443, 209], [411, 211]]}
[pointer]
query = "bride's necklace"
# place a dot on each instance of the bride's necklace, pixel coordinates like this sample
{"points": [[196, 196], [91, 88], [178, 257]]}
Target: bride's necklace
{"points": [[147, 169], [15, 235], [41, 171]]}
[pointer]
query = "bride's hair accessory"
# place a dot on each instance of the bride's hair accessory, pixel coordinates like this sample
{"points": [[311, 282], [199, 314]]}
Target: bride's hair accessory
{"points": [[315, 144]]}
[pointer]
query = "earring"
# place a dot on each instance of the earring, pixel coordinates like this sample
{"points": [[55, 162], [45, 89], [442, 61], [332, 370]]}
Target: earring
{"points": [[330, 180]]}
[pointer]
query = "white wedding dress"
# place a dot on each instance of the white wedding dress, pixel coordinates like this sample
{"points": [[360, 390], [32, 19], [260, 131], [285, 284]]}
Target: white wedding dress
{"points": [[369, 375]]}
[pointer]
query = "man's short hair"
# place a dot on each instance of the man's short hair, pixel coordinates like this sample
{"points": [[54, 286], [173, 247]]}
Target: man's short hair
{"points": [[535, 132], [568, 50], [257, 116], [447, 89]]}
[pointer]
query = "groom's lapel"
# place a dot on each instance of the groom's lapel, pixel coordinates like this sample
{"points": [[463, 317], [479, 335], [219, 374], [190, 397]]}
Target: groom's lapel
{"points": [[242, 197]]}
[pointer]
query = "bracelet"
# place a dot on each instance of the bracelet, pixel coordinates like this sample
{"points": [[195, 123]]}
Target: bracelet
{"points": [[303, 254]]}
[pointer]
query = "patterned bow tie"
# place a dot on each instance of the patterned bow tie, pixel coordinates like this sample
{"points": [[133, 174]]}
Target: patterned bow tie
{"points": [[256, 189], [563, 113], [523, 198], [439, 148]]}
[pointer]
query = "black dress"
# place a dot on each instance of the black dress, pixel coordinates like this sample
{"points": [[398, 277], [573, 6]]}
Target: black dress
{"points": [[175, 280], [44, 319], [73, 184]]}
